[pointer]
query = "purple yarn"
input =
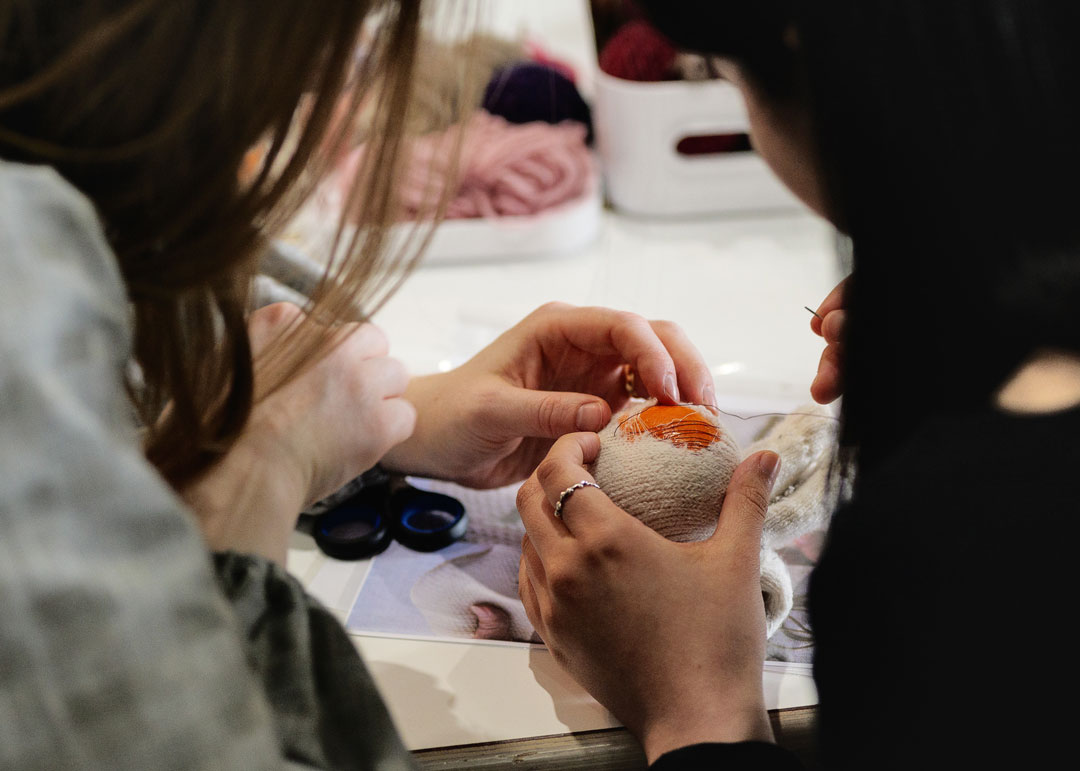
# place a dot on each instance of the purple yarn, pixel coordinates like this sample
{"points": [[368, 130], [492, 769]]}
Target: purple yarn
{"points": [[530, 91]]}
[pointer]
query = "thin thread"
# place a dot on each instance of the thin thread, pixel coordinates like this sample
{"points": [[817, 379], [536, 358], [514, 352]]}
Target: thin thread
{"points": [[694, 433], [733, 415], [774, 414], [814, 312]]}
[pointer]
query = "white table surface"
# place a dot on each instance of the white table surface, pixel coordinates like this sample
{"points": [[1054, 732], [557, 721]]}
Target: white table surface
{"points": [[737, 285]]}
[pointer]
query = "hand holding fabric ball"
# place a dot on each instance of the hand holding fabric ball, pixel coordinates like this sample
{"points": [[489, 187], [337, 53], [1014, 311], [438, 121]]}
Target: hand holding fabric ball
{"points": [[670, 466]]}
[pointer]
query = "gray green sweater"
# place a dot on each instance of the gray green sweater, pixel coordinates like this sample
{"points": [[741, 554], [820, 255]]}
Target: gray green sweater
{"points": [[123, 643]]}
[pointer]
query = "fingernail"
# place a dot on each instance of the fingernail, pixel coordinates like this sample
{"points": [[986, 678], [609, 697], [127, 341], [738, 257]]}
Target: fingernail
{"points": [[708, 395], [770, 467], [590, 417], [671, 390]]}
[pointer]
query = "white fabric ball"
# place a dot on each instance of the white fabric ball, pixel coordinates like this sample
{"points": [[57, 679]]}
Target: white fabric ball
{"points": [[671, 476]]}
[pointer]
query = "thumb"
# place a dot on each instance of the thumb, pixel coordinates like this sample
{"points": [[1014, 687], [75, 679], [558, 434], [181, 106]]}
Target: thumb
{"points": [[551, 414], [746, 502]]}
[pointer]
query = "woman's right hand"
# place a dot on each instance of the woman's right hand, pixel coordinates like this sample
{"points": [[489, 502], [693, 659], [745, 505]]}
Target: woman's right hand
{"points": [[669, 636], [828, 385], [305, 440]]}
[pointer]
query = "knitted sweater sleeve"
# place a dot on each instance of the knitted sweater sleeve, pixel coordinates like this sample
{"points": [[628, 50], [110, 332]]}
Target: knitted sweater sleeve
{"points": [[325, 708], [752, 756], [121, 646]]}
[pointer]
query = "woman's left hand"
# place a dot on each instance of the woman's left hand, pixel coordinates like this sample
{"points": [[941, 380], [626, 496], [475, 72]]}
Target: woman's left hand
{"points": [[669, 636], [490, 421]]}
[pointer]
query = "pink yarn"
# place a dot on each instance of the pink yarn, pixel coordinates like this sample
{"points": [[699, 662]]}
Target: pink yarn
{"points": [[504, 169]]}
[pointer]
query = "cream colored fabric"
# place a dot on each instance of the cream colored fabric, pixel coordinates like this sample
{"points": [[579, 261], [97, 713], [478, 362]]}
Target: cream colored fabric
{"points": [[678, 492], [802, 501], [776, 591], [674, 490]]}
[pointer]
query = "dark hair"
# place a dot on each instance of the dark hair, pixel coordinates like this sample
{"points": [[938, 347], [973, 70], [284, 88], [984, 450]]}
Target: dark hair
{"points": [[947, 137], [150, 108]]}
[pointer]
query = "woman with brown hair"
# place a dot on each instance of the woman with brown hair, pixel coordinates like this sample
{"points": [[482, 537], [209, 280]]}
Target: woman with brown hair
{"points": [[148, 420]]}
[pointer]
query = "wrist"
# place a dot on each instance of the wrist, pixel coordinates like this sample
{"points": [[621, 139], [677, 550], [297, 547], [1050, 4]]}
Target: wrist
{"points": [[249, 501], [697, 724]]}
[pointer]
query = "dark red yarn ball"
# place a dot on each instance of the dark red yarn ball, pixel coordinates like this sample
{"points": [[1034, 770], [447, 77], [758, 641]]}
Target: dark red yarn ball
{"points": [[638, 51]]}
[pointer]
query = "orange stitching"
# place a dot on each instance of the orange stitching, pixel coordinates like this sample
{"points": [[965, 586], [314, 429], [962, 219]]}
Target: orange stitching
{"points": [[682, 426]]}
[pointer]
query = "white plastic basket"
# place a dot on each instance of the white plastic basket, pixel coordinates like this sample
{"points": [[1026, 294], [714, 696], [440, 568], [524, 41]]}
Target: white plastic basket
{"points": [[638, 128]]}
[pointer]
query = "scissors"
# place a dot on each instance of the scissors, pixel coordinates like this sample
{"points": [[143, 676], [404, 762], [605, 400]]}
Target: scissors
{"points": [[363, 522]]}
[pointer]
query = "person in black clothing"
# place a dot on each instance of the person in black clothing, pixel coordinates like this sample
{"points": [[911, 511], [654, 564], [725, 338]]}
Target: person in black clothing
{"points": [[941, 136]]}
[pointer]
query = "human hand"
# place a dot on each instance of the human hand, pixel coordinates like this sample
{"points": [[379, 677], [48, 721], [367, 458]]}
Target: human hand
{"points": [[304, 440], [828, 385], [490, 421], [669, 636]]}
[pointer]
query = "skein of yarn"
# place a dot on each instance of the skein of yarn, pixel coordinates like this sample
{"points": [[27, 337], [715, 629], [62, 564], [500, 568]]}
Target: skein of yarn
{"points": [[638, 51], [531, 91], [502, 169]]}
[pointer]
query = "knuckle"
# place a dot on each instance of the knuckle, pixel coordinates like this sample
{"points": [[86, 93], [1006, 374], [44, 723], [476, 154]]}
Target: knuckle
{"points": [[397, 374], [603, 547], [376, 333], [547, 472], [370, 340], [833, 354], [630, 320], [564, 580], [396, 421], [552, 307], [547, 414], [523, 499], [664, 327], [357, 378], [478, 407], [755, 499], [275, 315]]}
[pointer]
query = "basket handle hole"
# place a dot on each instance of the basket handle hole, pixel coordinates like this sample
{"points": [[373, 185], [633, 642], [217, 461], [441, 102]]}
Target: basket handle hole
{"points": [[713, 144]]}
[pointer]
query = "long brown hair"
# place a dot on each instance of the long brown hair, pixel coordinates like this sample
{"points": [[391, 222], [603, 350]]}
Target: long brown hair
{"points": [[149, 107]]}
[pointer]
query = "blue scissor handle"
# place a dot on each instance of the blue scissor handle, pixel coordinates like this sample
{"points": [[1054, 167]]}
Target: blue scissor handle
{"points": [[363, 525], [426, 521]]}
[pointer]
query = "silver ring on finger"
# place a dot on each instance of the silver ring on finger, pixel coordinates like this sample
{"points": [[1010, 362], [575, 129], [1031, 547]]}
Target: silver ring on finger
{"points": [[565, 494]]}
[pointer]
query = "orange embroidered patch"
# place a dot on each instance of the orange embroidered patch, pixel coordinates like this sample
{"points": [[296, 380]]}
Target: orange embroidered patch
{"points": [[682, 426]]}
